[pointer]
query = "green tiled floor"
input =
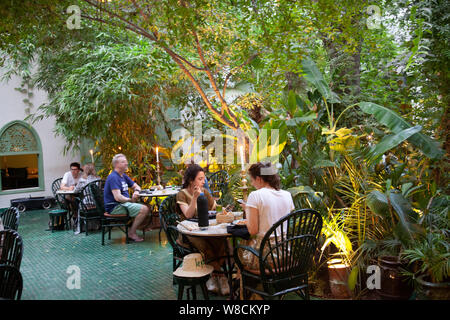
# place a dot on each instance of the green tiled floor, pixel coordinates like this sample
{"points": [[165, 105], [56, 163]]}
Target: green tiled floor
{"points": [[118, 271], [115, 271]]}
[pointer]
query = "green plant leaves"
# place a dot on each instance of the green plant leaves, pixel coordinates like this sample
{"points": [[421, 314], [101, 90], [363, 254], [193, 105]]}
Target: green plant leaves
{"points": [[378, 203], [315, 77], [391, 141], [396, 124]]}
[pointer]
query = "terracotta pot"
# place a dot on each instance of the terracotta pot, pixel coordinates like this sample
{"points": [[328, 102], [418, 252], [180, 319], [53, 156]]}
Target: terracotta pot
{"points": [[394, 286], [338, 273], [432, 291]]}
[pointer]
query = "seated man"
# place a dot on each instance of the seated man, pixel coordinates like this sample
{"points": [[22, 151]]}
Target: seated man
{"points": [[71, 178], [117, 199]]}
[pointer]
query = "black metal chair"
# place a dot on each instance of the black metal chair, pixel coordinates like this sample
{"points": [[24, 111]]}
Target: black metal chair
{"points": [[88, 210], [168, 216], [11, 248], [109, 221], [56, 185], [285, 256], [218, 184], [10, 218], [11, 282]]}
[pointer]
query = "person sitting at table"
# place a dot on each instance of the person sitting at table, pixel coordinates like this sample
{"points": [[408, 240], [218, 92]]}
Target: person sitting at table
{"points": [[264, 208], [71, 178], [212, 249], [117, 199], [88, 176]]}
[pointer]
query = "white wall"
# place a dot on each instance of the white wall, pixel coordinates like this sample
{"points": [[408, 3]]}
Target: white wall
{"points": [[54, 162]]}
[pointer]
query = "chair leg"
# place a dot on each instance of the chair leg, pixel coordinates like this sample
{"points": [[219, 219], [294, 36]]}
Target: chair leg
{"points": [[103, 235], [180, 291], [194, 292], [205, 291], [86, 226], [52, 221]]}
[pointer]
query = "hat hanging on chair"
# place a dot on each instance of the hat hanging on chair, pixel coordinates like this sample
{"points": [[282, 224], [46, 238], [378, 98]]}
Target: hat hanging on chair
{"points": [[193, 266]]}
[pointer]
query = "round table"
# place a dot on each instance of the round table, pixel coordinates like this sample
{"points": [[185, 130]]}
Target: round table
{"points": [[73, 209], [147, 198], [190, 228]]}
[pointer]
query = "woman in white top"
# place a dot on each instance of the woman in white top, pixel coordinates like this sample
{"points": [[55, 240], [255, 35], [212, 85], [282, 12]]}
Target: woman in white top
{"points": [[264, 207]]}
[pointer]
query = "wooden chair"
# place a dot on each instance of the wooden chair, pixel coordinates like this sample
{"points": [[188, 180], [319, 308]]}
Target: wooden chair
{"points": [[285, 256]]}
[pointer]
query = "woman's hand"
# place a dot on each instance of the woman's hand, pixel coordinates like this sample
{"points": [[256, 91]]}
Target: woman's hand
{"points": [[197, 191]]}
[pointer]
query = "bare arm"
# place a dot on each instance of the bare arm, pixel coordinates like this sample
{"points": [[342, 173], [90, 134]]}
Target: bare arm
{"points": [[119, 197], [189, 210], [136, 190], [253, 220]]}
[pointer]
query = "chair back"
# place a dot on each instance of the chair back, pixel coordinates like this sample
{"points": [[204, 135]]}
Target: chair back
{"points": [[97, 194], [218, 182], [56, 185], [87, 204], [11, 248], [10, 218], [11, 282], [287, 250], [168, 216], [59, 198]]}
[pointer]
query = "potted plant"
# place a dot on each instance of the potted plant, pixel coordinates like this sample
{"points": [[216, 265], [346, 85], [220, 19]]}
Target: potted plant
{"points": [[342, 277], [431, 253], [399, 223]]}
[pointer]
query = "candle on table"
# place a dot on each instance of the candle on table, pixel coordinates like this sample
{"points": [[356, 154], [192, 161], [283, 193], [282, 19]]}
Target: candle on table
{"points": [[157, 157], [92, 155], [242, 157]]}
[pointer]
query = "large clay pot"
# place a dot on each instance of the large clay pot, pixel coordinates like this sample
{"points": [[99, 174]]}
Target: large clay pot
{"points": [[432, 291], [394, 286], [338, 273]]}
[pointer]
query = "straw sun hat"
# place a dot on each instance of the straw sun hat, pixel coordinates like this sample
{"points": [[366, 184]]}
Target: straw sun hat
{"points": [[193, 266]]}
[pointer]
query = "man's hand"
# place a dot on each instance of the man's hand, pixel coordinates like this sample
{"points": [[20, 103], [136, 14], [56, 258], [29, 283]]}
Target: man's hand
{"points": [[135, 196], [71, 187]]}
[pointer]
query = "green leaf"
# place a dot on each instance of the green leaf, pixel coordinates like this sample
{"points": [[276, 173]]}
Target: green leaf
{"points": [[392, 141], [396, 124], [353, 278], [378, 203], [315, 77]]}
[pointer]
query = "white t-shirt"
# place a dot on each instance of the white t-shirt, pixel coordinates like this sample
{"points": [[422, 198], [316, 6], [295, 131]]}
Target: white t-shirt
{"points": [[69, 180], [271, 204]]}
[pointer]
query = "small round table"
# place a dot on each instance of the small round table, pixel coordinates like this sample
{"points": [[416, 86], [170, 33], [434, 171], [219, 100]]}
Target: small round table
{"points": [[190, 228], [71, 205], [147, 198]]}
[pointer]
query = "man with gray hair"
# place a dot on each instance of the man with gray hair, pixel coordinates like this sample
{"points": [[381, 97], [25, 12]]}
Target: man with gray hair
{"points": [[117, 199]]}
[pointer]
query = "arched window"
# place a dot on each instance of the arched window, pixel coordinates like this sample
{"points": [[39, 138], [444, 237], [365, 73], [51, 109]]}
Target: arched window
{"points": [[20, 159]]}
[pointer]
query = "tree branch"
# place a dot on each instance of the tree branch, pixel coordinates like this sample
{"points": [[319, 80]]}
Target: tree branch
{"points": [[253, 56]]}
